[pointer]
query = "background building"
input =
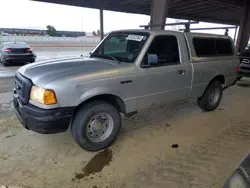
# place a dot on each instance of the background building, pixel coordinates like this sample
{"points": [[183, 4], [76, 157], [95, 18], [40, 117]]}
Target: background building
{"points": [[17, 31]]}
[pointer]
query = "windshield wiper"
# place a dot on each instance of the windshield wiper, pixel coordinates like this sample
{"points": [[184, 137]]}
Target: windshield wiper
{"points": [[112, 57], [105, 56]]}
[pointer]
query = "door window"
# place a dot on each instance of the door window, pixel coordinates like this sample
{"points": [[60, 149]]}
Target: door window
{"points": [[166, 48]]}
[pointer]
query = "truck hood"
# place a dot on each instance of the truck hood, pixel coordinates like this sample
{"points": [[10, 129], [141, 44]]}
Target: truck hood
{"points": [[44, 72]]}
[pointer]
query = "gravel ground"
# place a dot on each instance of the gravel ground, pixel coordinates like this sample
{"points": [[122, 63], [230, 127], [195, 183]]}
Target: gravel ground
{"points": [[173, 145]]}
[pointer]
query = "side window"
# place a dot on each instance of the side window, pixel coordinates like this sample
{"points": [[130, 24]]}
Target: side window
{"points": [[166, 48], [224, 47], [207, 47], [204, 47]]}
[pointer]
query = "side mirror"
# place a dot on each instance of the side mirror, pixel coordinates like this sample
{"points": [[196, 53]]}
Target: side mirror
{"points": [[152, 59]]}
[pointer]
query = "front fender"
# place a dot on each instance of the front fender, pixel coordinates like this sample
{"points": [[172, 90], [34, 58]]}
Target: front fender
{"points": [[90, 93]]}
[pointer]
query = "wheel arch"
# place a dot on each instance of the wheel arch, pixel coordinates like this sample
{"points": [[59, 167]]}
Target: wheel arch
{"points": [[112, 99], [219, 77]]}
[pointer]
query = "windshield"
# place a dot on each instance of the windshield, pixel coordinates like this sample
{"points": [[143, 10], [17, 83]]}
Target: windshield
{"points": [[122, 47]]}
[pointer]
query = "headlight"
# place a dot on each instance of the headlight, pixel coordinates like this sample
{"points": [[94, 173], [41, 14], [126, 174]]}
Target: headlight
{"points": [[43, 96]]}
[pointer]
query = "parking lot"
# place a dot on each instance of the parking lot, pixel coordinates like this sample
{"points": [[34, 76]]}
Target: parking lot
{"points": [[45, 53], [172, 145]]}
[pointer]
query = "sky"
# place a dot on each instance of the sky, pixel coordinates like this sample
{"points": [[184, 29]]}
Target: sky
{"points": [[37, 15]]}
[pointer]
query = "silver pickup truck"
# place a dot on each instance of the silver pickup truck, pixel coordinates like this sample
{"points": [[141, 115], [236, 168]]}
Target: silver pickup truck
{"points": [[129, 70]]}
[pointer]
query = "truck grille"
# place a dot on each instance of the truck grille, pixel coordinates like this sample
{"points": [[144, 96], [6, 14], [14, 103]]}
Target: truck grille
{"points": [[22, 88], [245, 60]]}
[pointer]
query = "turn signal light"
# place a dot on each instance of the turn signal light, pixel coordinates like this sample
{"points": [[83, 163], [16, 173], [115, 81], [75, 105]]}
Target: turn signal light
{"points": [[49, 97], [43, 96]]}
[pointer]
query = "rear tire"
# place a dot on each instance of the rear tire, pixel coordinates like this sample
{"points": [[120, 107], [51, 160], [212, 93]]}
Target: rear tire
{"points": [[211, 98], [96, 125]]}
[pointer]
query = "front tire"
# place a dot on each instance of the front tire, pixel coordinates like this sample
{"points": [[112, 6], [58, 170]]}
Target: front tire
{"points": [[96, 125], [211, 98]]}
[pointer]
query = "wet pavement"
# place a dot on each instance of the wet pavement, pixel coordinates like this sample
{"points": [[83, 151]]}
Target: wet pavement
{"points": [[45, 54]]}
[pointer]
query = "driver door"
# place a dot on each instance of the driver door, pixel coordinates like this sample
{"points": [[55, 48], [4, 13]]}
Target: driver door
{"points": [[169, 79]]}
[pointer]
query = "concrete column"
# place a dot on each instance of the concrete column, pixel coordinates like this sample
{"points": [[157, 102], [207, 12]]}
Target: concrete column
{"points": [[244, 31], [159, 10], [101, 24]]}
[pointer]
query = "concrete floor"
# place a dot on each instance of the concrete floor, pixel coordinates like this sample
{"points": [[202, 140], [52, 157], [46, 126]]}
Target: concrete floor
{"points": [[210, 146]]}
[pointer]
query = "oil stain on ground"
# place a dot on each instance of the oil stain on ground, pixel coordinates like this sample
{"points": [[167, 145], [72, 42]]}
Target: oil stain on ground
{"points": [[96, 164]]}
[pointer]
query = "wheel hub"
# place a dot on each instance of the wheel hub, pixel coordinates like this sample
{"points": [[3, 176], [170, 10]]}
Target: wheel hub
{"points": [[99, 127]]}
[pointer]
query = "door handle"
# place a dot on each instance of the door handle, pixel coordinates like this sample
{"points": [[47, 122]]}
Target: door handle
{"points": [[181, 72]]}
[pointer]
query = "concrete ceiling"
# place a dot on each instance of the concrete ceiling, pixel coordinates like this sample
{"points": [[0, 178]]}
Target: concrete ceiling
{"points": [[217, 11]]}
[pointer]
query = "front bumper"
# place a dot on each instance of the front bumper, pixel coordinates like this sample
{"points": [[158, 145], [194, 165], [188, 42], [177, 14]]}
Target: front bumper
{"points": [[45, 121]]}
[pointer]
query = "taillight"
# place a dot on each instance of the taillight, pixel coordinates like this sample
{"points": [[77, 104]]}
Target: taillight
{"points": [[8, 50], [238, 69], [28, 50]]}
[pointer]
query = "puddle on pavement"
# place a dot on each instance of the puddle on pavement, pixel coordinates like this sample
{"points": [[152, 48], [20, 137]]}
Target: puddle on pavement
{"points": [[96, 164]]}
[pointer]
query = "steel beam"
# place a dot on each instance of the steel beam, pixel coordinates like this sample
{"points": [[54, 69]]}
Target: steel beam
{"points": [[159, 10], [235, 33], [230, 13], [101, 24], [218, 3], [244, 31]]}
